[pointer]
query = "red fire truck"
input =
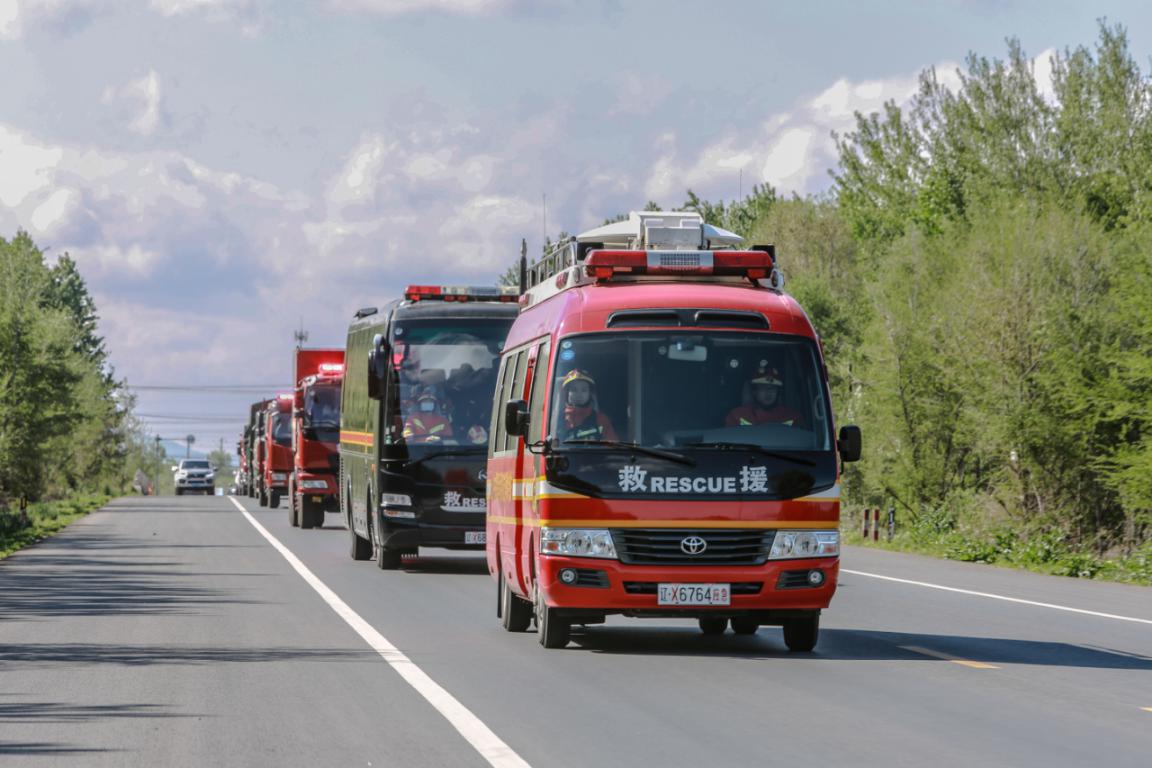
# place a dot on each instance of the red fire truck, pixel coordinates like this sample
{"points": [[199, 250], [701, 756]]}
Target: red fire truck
{"points": [[274, 450], [313, 485], [663, 444]]}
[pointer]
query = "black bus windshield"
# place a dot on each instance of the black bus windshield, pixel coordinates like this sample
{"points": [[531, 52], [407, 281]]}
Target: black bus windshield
{"points": [[443, 376], [732, 400]]}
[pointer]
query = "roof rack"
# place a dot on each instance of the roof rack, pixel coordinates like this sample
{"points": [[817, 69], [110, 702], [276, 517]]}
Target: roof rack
{"points": [[649, 243]]}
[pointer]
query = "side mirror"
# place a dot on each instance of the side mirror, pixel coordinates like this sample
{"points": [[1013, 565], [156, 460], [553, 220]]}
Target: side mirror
{"points": [[175, 468], [849, 443], [377, 367], [516, 417]]}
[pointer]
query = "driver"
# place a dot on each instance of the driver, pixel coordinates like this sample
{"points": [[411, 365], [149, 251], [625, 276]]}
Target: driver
{"points": [[427, 424], [764, 390], [582, 419]]}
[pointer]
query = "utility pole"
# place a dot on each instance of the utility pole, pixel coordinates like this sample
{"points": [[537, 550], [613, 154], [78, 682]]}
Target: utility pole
{"points": [[159, 466], [301, 335], [191, 439]]}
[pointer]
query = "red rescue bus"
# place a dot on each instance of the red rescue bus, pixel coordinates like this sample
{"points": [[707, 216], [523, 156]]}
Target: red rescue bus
{"points": [[663, 441]]}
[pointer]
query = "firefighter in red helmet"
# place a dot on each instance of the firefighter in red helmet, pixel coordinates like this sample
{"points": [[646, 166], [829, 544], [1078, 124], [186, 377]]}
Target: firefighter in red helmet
{"points": [[763, 404], [583, 420], [427, 424]]}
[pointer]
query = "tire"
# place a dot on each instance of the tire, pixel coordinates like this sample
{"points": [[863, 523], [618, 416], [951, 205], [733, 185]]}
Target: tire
{"points": [[551, 630], [800, 635], [179, 491], [744, 625], [515, 611], [311, 515], [713, 625], [388, 559], [274, 499], [293, 517], [304, 513], [361, 548], [262, 498]]}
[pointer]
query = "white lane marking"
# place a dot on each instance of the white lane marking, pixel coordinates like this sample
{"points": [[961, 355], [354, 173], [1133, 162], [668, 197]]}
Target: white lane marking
{"points": [[474, 731], [999, 597]]}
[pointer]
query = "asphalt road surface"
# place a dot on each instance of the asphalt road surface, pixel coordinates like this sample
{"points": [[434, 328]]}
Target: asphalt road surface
{"points": [[173, 632]]}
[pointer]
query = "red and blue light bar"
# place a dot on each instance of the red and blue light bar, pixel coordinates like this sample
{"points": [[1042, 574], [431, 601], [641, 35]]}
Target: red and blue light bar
{"points": [[604, 264], [460, 293]]}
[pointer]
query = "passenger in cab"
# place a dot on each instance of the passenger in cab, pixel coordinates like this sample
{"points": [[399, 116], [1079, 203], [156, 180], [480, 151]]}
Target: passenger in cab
{"points": [[427, 424], [582, 418], [762, 403]]}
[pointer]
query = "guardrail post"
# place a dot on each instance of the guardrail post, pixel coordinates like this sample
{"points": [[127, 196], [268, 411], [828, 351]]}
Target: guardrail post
{"points": [[876, 524], [891, 522], [866, 513]]}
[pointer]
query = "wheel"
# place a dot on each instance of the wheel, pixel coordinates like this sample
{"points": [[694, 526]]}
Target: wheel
{"points": [[744, 625], [713, 625], [211, 490], [800, 635], [361, 548], [515, 611], [311, 515], [262, 498], [551, 630], [293, 516], [274, 498], [179, 491], [388, 559]]}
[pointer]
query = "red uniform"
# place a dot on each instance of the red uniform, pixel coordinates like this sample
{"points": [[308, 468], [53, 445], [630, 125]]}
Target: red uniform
{"points": [[586, 424], [750, 415], [427, 428]]}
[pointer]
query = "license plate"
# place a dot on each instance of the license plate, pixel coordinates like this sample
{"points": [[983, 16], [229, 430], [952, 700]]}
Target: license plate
{"points": [[475, 537], [694, 594], [318, 499]]}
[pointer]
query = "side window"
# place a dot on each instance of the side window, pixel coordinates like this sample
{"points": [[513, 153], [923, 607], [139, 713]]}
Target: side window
{"points": [[516, 391], [497, 433], [536, 401]]}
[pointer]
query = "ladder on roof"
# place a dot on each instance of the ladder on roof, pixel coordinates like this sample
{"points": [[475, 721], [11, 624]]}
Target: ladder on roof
{"points": [[641, 231]]}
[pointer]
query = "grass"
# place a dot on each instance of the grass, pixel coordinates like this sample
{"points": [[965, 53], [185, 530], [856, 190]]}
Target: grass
{"points": [[1039, 551], [44, 519]]}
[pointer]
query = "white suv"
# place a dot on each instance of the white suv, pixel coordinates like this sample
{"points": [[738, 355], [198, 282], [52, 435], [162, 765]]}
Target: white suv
{"points": [[195, 475]]}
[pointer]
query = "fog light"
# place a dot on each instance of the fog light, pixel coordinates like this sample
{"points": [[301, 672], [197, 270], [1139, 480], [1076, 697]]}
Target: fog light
{"points": [[568, 575], [815, 578]]}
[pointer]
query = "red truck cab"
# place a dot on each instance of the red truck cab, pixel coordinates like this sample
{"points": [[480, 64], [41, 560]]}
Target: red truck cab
{"points": [[663, 443], [313, 485], [274, 450]]}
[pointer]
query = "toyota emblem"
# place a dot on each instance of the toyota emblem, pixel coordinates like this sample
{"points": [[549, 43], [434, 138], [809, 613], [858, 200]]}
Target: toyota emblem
{"points": [[693, 545]]}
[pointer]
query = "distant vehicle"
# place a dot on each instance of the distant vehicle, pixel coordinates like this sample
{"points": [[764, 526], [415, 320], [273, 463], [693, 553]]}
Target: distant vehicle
{"points": [[414, 417], [274, 450], [195, 476], [663, 443], [313, 484]]}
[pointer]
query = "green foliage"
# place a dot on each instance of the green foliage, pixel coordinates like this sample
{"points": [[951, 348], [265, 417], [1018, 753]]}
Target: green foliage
{"points": [[43, 520], [61, 410]]}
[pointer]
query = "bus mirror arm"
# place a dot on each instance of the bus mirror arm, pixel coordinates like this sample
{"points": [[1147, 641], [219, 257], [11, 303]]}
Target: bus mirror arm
{"points": [[516, 417], [849, 443]]}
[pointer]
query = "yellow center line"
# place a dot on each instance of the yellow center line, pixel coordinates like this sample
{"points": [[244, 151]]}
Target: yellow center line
{"points": [[1146, 709], [946, 657]]}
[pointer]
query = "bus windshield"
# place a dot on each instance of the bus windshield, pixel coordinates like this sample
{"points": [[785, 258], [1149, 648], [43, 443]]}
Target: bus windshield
{"points": [[705, 402], [443, 376]]}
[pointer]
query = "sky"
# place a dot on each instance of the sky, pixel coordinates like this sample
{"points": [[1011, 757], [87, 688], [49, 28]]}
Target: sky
{"points": [[226, 172]]}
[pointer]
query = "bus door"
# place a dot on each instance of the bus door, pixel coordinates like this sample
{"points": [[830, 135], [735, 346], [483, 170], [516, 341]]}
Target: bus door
{"points": [[530, 464]]}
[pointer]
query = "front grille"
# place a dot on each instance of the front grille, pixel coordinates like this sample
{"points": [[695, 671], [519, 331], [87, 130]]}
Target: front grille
{"points": [[649, 587], [661, 546]]}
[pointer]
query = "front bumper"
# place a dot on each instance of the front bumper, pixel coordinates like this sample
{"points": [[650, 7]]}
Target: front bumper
{"points": [[427, 531], [770, 592]]}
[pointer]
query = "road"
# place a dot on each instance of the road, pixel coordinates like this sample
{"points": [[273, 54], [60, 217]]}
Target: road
{"points": [[171, 631]]}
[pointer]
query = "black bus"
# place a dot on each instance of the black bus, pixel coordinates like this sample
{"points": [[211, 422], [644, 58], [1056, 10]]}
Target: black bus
{"points": [[414, 417]]}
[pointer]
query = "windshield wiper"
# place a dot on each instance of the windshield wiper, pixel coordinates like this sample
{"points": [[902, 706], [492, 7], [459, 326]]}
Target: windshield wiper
{"points": [[444, 452], [679, 458], [754, 448]]}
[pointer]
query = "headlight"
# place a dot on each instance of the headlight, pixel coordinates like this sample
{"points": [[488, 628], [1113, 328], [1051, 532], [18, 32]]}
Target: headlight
{"points": [[322, 484], [395, 500], [577, 542], [794, 544], [279, 477], [209, 476]]}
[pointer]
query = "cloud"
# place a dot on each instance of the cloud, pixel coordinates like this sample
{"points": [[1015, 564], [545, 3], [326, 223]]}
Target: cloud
{"points": [[454, 7], [792, 151], [18, 17], [141, 100]]}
